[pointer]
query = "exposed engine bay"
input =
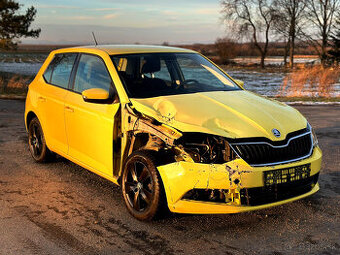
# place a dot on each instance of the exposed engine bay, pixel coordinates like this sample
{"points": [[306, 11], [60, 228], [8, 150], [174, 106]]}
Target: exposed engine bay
{"points": [[207, 149]]}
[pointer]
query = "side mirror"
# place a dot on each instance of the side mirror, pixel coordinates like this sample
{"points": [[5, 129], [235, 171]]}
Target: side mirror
{"points": [[240, 83], [95, 95]]}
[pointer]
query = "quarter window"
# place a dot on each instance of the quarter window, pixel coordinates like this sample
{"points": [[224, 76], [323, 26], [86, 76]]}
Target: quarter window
{"points": [[91, 73], [48, 72], [59, 71]]}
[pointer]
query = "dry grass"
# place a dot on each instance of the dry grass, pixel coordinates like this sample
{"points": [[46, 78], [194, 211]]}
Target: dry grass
{"points": [[18, 82], [314, 81], [14, 84]]}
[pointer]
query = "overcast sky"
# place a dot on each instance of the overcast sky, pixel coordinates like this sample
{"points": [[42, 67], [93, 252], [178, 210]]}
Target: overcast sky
{"points": [[129, 21]]}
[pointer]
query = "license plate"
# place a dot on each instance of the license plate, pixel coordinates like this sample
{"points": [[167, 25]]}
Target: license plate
{"points": [[286, 175]]}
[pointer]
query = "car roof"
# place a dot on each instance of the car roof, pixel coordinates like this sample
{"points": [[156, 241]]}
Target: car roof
{"points": [[125, 49]]}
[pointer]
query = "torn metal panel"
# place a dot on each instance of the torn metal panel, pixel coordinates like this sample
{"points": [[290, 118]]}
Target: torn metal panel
{"points": [[142, 132], [138, 123]]}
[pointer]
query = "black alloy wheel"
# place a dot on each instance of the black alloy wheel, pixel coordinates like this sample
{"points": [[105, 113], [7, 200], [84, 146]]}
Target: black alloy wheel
{"points": [[142, 188]]}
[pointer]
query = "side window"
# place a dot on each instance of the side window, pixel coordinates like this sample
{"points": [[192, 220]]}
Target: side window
{"points": [[48, 72], [59, 71], [91, 73]]}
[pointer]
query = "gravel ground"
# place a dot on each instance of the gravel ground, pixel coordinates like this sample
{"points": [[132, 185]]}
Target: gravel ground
{"points": [[60, 208]]}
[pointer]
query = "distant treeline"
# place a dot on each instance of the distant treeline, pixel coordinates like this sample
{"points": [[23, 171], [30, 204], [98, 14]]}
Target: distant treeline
{"points": [[211, 50], [39, 48], [248, 49]]}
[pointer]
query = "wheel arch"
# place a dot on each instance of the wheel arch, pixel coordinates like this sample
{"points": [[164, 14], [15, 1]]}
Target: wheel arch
{"points": [[29, 116], [152, 155]]}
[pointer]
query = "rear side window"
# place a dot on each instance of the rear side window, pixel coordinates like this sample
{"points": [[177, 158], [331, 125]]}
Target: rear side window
{"points": [[59, 71], [91, 73]]}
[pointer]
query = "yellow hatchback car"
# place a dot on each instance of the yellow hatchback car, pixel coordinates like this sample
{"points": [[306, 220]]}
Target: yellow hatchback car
{"points": [[172, 128]]}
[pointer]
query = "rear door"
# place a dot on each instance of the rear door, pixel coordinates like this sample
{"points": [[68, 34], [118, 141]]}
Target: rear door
{"points": [[89, 126], [51, 100]]}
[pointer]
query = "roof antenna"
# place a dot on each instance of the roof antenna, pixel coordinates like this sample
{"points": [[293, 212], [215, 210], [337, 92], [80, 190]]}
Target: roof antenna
{"points": [[95, 40]]}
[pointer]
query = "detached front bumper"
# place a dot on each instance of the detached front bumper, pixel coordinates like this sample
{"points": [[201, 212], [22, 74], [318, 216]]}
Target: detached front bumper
{"points": [[241, 187]]}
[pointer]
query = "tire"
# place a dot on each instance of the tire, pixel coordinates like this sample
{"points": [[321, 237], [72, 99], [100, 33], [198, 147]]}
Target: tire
{"points": [[36, 142], [142, 186]]}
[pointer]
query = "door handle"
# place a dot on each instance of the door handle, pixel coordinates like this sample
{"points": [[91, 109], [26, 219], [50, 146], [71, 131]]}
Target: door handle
{"points": [[69, 109], [42, 99]]}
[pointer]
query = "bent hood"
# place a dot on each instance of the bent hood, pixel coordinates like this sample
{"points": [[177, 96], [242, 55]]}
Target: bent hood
{"points": [[233, 114]]}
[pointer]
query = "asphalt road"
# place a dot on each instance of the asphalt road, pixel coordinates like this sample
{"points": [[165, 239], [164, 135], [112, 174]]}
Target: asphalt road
{"points": [[60, 208]]}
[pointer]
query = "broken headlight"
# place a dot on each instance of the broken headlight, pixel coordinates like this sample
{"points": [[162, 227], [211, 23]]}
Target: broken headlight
{"points": [[207, 149], [315, 139]]}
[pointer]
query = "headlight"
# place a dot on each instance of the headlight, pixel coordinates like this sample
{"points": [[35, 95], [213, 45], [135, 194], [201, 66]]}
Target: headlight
{"points": [[315, 139], [207, 149]]}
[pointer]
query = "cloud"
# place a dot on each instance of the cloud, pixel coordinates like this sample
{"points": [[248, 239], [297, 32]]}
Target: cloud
{"points": [[47, 6], [169, 12], [110, 16], [207, 11], [81, 17], [104, 9]]}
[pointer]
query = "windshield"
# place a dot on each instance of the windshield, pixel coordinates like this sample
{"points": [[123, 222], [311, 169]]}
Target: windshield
{"points": [[159, 74]]}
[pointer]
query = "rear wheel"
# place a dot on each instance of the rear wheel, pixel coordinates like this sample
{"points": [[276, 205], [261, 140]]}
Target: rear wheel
{"points": [[37, 143], [142, 187]]}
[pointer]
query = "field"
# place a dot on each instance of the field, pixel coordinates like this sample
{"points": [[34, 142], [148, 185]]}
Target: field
{"points": [[274, 81]]}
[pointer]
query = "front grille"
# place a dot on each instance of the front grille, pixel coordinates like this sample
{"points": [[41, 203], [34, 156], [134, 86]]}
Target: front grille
{"points": [[277, 192], [265, 153]]}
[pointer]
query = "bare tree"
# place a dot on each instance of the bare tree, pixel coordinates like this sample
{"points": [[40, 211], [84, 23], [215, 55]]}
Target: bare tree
{"points": [[255, 17], [334, 52], [321, 16], [290, 23], [282, 33]]}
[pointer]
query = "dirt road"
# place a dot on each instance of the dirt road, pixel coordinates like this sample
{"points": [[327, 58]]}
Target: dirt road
{"points": [[60, 208]]}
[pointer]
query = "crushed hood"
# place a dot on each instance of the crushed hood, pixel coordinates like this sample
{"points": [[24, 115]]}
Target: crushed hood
{"points": [[233, 114]]}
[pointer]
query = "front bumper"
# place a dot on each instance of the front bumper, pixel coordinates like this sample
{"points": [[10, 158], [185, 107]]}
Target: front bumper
{"points": [[233, 178]]}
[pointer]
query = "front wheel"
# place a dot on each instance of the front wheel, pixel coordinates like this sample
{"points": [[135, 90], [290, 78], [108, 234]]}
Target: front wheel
{"points": [[37, 143], [142, 187]]}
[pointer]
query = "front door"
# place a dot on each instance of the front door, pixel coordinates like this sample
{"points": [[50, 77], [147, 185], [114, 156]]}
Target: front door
{"points": [[89, 126]]}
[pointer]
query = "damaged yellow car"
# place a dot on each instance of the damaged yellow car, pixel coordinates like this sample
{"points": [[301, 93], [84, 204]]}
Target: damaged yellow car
{"points": [[172, 128]]}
